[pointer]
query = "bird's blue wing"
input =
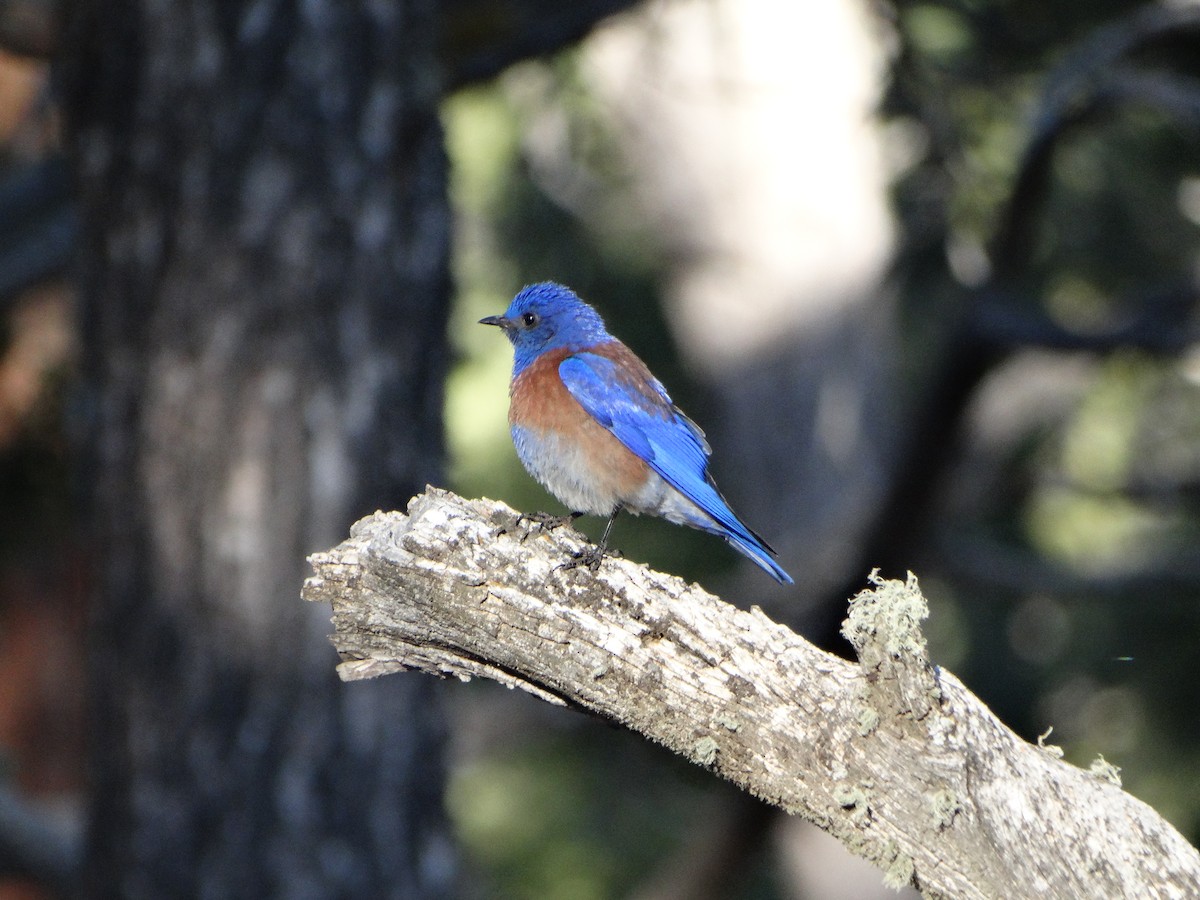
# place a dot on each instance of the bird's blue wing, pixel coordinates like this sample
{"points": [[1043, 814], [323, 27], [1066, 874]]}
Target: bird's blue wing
{"points": [[636, 409], [639, 413]]}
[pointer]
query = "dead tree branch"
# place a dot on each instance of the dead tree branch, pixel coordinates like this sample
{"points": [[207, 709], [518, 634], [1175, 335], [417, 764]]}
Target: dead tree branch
{"points": [[894, 757]]}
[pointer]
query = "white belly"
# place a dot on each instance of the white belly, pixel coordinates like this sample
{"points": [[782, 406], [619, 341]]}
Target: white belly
{"points": [[562, 468], [565, 470]]}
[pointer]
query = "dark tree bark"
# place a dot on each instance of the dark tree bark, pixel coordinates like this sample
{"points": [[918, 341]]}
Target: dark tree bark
{"points": [[264, 286]]}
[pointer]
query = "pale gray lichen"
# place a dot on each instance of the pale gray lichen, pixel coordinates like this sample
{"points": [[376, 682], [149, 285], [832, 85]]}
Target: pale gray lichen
{"points": [[705, 751], [868, 720], [854, 799], [900, 871], [889, 614], [1105, 771], [945, 805]]}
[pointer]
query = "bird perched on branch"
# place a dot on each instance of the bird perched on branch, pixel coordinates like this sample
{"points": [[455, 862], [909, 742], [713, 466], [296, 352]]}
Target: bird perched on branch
{"points": [[599, 431]]}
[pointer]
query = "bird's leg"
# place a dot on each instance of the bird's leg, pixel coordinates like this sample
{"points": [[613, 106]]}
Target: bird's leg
{"points": [[591, 557], [603, 545]]}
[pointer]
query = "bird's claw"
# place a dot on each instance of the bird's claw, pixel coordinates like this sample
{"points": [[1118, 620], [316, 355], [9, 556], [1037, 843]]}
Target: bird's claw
{"points": [[589, 558]]}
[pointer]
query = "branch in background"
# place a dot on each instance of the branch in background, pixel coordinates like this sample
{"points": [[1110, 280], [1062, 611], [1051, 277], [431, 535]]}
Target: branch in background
{"points": [[1158, 322], [890, 755], [480, 38], [1087, 83], [30, 27]]}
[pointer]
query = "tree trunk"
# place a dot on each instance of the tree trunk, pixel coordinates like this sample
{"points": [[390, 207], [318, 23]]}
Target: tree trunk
{"points": [[264, 287], [892, 756]]}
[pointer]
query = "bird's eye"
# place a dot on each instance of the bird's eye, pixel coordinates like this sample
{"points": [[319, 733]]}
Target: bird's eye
{"points": [[530, 319]]}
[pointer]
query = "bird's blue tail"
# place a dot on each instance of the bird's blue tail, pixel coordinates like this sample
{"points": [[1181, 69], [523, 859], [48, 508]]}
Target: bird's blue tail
{"points": [[742, 537], [755, 548]]}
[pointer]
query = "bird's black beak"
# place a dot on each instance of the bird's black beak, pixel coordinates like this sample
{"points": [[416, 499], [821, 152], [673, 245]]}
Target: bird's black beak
{"points": [[499, 321]]}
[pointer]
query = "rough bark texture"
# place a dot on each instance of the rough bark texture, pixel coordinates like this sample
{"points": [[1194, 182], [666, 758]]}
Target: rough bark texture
{"points": [[264, 297], [891, 755]]}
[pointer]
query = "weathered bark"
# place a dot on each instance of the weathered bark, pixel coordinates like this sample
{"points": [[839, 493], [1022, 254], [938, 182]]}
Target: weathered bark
{"points": [[264, 291], [891, 755]]}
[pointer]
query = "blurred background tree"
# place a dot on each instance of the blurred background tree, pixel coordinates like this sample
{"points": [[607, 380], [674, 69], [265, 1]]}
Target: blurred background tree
{"points": [[924, 271]]}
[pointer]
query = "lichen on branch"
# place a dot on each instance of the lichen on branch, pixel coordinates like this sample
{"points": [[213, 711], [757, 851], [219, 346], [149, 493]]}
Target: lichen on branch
{"points": [[891, 755]]}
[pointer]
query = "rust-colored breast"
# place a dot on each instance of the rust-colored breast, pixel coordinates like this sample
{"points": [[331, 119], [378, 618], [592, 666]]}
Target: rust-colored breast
{"points": [[540, 402]]}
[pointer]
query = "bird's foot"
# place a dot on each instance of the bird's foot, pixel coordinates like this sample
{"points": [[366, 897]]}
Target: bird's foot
{"points": [[589, 558], [543, 521]]}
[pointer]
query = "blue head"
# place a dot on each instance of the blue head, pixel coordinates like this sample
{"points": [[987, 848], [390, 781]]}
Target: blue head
{"points": [[547, 316]]}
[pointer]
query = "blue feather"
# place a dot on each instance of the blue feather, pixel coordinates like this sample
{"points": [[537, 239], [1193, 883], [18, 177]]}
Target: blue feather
{"points": [[641, 416]]}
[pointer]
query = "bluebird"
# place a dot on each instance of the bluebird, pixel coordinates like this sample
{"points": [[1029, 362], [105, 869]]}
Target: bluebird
{"points": [[599, 431]]}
